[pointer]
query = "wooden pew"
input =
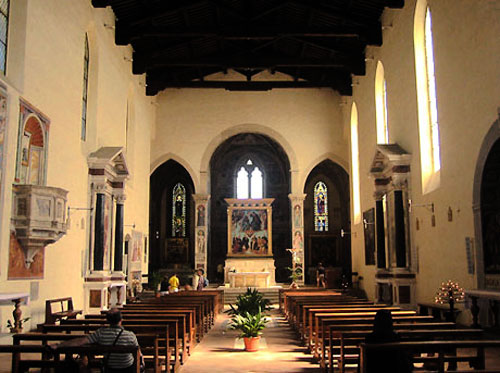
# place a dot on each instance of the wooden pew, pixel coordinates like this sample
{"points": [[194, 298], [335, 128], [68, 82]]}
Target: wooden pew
{"points": [[66, 311], [150, 346], [440, 348], [185, 327], [178, 335], [169, 348], [316, 337], [20, 365], [347, 342]]}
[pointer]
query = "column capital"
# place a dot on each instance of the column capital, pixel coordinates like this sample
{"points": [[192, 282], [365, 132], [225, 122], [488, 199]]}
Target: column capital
{"points": [[297, 197], [120, 198], [201, 198]]}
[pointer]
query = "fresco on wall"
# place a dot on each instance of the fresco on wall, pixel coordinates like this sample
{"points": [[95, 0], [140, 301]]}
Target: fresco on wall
{"points": [[32, 145], [3, 127], [135, 250], [17, 266]]}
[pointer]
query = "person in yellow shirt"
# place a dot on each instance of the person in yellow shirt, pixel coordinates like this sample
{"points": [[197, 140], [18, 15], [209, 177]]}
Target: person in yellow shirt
{"points": [[174, 282]]}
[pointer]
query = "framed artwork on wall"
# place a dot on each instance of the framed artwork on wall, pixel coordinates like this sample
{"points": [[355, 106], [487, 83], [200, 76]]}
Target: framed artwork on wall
{"points": [[249, 225]]}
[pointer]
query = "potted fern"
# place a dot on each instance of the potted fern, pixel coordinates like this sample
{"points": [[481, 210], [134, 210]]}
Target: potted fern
{"points": [[250, 327]]}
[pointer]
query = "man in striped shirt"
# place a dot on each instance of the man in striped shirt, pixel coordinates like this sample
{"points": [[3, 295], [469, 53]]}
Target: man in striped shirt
{"points": [[116, 335]]}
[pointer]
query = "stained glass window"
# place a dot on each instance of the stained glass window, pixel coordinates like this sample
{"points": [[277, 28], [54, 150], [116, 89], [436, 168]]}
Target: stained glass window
{"points": [[86, 59], [4, 28], [249, 181], [179, 211], [320, 207]]}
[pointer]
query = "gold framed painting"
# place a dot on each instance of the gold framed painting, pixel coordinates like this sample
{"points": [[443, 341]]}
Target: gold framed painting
{"points": [[249, 223]]}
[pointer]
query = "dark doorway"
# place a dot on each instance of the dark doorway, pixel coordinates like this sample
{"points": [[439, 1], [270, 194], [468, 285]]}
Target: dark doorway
{"points": [[224, 165], [323, 241], [171, 222], [490, 211]]}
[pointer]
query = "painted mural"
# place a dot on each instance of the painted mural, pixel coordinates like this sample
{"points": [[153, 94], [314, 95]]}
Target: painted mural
{"points": [[17, 266]]}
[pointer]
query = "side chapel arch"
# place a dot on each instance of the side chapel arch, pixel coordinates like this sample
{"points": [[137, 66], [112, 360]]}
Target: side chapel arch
{"points": [[490, 143]]}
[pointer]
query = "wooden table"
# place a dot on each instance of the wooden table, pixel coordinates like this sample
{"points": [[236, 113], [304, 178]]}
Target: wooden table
{"points": [[17, 298]]}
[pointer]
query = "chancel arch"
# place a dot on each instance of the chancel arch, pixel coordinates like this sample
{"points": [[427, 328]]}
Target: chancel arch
{"points": [[171, 218], [273, 162], [170, 156], [326, 212]]}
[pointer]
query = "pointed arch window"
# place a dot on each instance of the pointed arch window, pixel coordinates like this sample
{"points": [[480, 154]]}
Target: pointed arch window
{"points": [[249, 181], [4, 28], [179, 211], [381, 105], [355, 164], [86, 60], [426, 98], [320, 207]]}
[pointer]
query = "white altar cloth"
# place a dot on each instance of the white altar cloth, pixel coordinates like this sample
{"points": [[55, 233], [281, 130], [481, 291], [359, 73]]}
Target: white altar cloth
{"points": [[252, 279]]}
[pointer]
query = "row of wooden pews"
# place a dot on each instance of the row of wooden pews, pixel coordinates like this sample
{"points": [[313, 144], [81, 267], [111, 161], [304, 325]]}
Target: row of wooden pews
{"points": [[167, 328], [333, 326]]}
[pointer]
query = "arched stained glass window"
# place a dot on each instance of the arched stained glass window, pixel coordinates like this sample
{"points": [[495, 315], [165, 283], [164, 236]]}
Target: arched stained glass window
{"points": [[179, 211], [320, 207], [249, 181]]}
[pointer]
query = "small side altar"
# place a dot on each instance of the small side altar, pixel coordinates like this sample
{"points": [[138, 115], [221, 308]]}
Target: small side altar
{"points": [[250, 259]]}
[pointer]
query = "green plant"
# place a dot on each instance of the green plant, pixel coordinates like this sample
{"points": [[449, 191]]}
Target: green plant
{"points": [[155, 280], [10, 324], [252, 302], [295, 274], [249, 325]]}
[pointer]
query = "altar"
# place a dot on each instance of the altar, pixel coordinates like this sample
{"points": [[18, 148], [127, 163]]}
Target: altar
{"points": [[250, 261]]}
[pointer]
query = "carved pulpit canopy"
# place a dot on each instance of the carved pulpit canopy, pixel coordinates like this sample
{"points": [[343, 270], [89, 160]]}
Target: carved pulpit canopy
{"points": [[390, 167], [108, 164]]}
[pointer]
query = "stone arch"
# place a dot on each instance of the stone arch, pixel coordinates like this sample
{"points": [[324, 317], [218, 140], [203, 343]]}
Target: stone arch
{"points": [[332, 157], [245, 128], [167, 156], [490, 139]]}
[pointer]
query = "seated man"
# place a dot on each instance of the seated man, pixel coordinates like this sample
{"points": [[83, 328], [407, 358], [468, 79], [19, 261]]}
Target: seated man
{"points": [[114, 335]]}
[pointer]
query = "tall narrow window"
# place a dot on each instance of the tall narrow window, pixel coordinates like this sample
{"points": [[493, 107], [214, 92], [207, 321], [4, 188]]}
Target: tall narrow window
{"points": [[249, 181], [355, 164], [381, 105], [320, 207], [426, 98], [4, 31], [86, 59], [179, 211], [431, 89]]}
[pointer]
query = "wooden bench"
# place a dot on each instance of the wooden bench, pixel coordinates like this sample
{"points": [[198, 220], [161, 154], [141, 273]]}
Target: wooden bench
{"points": [[440, 348], [169, 347], [20, 365], [149, 343], [344, 345], [66, 310]]}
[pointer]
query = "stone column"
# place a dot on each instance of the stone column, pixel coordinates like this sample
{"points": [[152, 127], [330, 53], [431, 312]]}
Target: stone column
{"points": [[297, 212], [399, 229], [99, 232], [118, 259], [380, 232], [201, 230]]}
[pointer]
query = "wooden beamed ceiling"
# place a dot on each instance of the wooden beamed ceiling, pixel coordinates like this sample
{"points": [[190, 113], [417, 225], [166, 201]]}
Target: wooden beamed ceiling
{"points": [[317, 43]]}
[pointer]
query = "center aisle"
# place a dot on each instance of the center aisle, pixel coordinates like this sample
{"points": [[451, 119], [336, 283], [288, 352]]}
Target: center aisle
{"points": [[222, 351]]}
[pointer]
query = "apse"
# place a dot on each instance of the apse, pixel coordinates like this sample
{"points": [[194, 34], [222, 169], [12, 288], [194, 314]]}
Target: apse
{"points": [[256, 166]]}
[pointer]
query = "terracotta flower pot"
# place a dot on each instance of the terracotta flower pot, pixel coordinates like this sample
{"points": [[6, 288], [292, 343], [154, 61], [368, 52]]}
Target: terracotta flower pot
{"points": [[251, 343]]}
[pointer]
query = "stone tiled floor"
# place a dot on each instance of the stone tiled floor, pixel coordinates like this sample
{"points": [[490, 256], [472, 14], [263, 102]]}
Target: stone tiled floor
{"points": [[221, 351]]}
